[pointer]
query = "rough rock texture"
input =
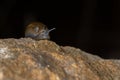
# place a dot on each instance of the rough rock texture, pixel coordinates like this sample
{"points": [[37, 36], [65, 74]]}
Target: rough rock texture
{"points": [[27, 59]]}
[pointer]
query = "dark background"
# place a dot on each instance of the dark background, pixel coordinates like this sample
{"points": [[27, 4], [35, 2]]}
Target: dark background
{"points": [[91, 25]]}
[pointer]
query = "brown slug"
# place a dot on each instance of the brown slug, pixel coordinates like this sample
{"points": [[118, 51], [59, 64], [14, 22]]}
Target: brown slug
{"points": [[37, 31]]}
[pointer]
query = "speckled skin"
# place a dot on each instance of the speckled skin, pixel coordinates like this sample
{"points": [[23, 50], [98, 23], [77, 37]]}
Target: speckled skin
{"points": [[37, 31]]}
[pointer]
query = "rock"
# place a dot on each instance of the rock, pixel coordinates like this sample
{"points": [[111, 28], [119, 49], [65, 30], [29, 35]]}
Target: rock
{"points": [[27, 59]]}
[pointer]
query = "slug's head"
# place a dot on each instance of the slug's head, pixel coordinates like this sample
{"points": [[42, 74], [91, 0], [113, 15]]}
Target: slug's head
{"points": [[44, 34], [38, 31]]}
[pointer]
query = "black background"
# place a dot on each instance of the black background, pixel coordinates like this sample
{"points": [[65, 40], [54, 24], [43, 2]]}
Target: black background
{"points": [[91, 25]]}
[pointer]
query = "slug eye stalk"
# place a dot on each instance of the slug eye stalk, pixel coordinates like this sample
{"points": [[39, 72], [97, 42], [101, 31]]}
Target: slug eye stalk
{"points": [[51, 30]]}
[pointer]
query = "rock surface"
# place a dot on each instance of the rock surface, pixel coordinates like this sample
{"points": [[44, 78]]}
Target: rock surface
{"points": [[27, 59]]}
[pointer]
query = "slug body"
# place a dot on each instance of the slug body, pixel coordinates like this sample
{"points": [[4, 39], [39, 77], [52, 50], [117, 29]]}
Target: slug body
{"points": [[37, 31]]}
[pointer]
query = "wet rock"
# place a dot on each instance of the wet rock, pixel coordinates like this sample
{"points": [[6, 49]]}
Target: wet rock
{"points": [[27, 59]]}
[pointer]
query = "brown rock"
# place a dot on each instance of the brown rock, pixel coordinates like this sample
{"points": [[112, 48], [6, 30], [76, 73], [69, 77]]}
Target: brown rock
{"points": [[27, 59]]}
